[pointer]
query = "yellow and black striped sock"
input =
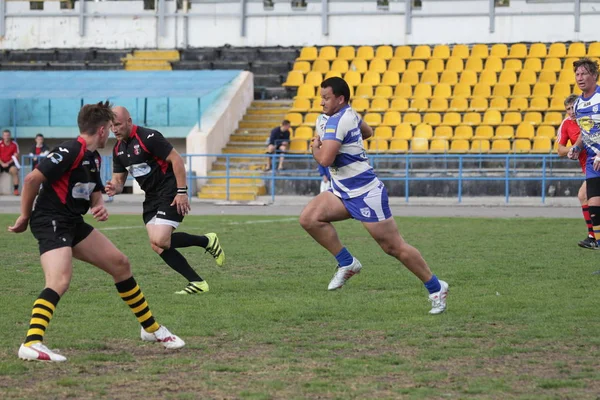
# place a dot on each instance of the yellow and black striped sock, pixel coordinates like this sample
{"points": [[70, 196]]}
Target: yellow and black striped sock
{"points": [[131, 294], [43, 309]]}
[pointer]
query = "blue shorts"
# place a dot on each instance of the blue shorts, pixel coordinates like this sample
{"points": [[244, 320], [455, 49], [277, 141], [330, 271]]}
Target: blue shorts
{"points": [[372, 206]]}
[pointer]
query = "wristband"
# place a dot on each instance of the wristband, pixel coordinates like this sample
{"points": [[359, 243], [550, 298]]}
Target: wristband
{"points": [[182, 190], [577, 148]]}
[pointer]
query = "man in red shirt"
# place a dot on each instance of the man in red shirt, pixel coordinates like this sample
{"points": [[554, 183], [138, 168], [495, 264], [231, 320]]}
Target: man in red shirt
{"points": [[569, 131], [9, 152]]}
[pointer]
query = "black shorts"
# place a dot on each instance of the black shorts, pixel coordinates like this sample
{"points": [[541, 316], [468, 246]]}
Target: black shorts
{"points": [[593, 187], [2, 169], [54, 233], [162, 210]]}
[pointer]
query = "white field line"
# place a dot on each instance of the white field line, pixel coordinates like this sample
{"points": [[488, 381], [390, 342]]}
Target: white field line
{"points": [[190, 228]]}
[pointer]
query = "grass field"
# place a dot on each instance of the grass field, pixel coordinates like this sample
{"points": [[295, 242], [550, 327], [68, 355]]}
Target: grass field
{"points": [[522, 320]]}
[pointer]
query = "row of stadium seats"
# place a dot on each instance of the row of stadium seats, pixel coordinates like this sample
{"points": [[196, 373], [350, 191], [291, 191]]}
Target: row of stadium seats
{"points": [[489, 117], [405, 131], [457, 104], [542, 145], [425, 52]]}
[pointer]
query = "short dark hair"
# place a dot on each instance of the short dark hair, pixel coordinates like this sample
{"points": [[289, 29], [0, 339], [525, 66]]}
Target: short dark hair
{"points": [[590, 65], [6, 130], [93, 116], [285, 122], [571, 99], [338, 86], [39, 135]]}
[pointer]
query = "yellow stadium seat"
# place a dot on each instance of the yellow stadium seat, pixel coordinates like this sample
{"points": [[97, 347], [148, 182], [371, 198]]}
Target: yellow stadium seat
{"points": [[422, 52], [384, 91], [461, 90], [533, 117], [463, 132], [513, 65], [365, 144], [397, 65], [498, 103], [378, 65], [557, 104], [449, 77], [416, 65], [398, 146], [298, 146], [552, 64], [399, 104], [443, 132], [541, 145], [521, 90], [499, 50], [340, 65], [538, 104], [373, 119], [294, 118], [537, 50], [480, 146], [461, 51], [594, 49], [501, 90], [442, 91], [438, 105], [561, 90], [511, 118], [541, 89], [504, 132], [455, 64], [558, 50], [493, 64], [313, 78], [331, 74], [419, 145], [403, 131], [410, 77], [518, 50], [489, 77], [429, 77], [527, 76], [353, 78], [548, 77], [482, 90], [480, 50], [418, 105], [404, 52], [303, 132], [317, 107], [522, 146], [568, 63], [412, 118], [294, 78], [483, 132], [371, 78], [441, 51], [474, 64], [306, 91], [451, 119], [567, 76], [308, 54], [518, 104], [358, 65], [432, 118], [365, 52], [492, 117], [311, 118], [472, 118], [403, 90], [383, 132], [468, 77], [459, 104], [364, 91], [435, 65], [300, 105], [422, 91], [302, 66], [391, 118], [328, 53], [459, 146], [525, 131], [508, 77], [378, 146], [439, 146], [553, 118], [384, 52], [346, 53], [390, 78], [500, 146], [478, 104], [533, 64], [360, 104], [546, 131]]}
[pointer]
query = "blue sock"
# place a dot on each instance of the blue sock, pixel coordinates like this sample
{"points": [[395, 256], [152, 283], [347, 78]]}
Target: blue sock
{"points": [[344, 258], [433, 285]]}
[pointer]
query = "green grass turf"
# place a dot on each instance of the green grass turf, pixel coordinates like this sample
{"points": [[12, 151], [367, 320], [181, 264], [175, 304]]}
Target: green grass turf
{"points": [[522, 320]]}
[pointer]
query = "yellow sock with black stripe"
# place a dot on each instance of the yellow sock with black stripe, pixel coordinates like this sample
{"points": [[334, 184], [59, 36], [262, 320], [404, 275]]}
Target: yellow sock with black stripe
{"points": [[131, 294], [43, 310]]}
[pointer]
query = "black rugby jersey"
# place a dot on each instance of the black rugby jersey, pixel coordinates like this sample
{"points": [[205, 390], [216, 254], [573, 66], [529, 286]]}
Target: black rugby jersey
{"points": [[72, 175], [144, 156]]}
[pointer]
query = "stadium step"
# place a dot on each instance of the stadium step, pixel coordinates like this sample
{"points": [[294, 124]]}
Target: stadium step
{"points": [[150, 60], [262, 138], [165, 55], [234, 188]]}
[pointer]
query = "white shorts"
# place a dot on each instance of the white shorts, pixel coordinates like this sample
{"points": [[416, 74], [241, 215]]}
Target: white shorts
{"points": [[162, 221]]}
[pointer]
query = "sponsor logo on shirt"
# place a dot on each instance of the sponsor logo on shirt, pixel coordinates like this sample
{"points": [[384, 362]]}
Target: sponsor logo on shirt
{"points": [[136, 149], [137, 170], [83, 190], [56, 158]]}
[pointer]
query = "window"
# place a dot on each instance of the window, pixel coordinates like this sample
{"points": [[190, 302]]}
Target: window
{"points": [[383, 4], [502, 3], [299, 4], [268, 4], [149, 4], [36, 5], [417, 3]]}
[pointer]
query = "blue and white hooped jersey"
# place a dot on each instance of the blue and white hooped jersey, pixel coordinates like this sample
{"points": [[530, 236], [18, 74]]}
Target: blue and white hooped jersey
{"points": [[351, 174], [587, 114]]}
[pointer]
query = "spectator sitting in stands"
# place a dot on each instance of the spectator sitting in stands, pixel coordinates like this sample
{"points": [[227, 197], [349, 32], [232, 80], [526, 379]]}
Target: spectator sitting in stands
{"points": [[9, 156], [279, 142], [38, 149], [325, 182]]}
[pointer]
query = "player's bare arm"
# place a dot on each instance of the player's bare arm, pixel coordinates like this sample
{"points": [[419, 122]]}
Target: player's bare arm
{"points": [[97, 207], [574, 151], [325, 152], [181, 199], [365, 130], [31, 186], [116, 183]]}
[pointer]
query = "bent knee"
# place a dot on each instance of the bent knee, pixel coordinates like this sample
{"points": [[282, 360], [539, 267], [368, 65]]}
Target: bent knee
{"points": [[307, 220]]}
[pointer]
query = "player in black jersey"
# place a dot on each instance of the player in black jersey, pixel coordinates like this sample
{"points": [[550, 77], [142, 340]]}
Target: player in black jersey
{"points": [[71, 185], [160, 172]]}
